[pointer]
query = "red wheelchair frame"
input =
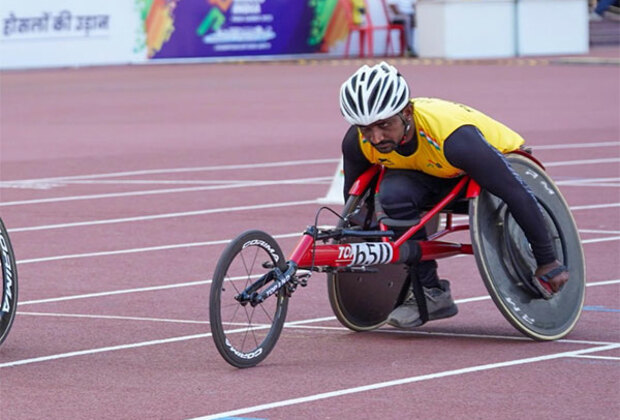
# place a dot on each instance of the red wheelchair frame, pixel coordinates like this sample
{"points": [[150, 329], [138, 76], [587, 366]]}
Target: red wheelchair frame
{"points": [[307, 253], [502, 254]]}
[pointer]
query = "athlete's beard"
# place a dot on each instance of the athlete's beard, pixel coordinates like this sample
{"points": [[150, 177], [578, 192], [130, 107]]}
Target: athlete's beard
{"points": [[386, 146]]}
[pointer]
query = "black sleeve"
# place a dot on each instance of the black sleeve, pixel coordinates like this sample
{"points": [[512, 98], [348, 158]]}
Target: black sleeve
{"points": [[354, 161], [467, 149]]}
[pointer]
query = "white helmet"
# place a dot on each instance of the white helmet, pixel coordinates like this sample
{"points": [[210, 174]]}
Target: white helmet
{"points": [[372, 94]]}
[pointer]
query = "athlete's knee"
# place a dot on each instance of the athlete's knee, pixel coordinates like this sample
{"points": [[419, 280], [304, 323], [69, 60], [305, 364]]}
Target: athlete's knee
{"points": [[397, 202]]}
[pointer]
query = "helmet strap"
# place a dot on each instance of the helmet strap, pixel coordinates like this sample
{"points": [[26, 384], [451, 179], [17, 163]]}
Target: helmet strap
{"points": [[407, 125]]}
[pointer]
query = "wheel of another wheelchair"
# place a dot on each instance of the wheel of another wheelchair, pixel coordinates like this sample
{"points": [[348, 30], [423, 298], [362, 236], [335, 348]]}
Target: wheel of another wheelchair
{"points": [[244, 335], [363, 301], [505, 259], [8, 304]]}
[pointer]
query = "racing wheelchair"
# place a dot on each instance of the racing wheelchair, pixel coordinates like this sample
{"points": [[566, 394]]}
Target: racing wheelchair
{"points": [[8, 304], [253, 282]]}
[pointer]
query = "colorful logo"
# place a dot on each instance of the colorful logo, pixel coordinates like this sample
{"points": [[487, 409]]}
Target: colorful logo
{"points": [[215, 18]]}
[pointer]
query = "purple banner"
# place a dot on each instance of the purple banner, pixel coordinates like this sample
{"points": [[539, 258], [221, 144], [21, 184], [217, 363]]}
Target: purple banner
{"points": [[221, 28]]}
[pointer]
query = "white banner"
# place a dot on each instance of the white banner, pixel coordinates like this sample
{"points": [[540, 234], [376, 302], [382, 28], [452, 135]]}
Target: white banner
{"points": [[53, 33]]}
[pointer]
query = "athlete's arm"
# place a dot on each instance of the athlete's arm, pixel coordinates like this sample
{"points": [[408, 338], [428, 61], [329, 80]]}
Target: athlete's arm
{"points": [[354, 161], [467, 149]]}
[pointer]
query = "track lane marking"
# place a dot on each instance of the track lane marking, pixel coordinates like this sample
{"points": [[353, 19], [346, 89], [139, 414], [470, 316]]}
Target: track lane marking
{"points": [[291, 324], [144, 249], [581, 162], [576, 145], [209, 281], [598, 240], [78, 178], [227, 186], [138, 345], [602, 231], [226, 241], [164, 216], [179, 170], [262, 165], [221, 210], [113, 317], [405, 381], [125, 291], [583, 356]]}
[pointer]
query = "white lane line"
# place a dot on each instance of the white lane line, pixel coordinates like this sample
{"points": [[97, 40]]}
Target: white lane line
{"points": [[291, 324], [593, 241], [103, 350], [598, 357], [405, 381], [137, 345], [577, 145], [225, 241], [253, 166], [581, 162], [114, 317], [164, 216], [114, 292], [389, 330], [302, 325], [200, 283], [609, 232], [179, 170], [226, 186], [229, 209], [578, 182], [143, 249], [594, 206], [602, 283], [178, 182], [593, 184], [125, 291], [78, 178], [587, 180], [203, 282]]}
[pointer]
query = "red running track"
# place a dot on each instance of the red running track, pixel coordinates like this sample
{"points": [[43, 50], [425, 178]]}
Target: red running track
{"points": [[122, 185]]}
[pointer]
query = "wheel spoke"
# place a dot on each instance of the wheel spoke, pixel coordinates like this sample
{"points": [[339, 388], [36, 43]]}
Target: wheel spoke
{"points": [[245, 334]]}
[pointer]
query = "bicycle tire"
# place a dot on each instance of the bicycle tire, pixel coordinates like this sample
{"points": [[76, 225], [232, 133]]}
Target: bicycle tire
{"points": [[504, 257], [8, 304], [255, 329], [363, 301]]}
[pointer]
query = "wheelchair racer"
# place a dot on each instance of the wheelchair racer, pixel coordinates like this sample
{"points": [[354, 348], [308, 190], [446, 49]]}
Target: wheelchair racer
{"points": [[426, 145]]}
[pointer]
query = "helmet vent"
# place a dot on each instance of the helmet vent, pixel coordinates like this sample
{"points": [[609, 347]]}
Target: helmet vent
{"points": [[372, 94]]}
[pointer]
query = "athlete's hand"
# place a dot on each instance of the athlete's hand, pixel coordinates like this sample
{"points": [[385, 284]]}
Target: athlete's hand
{"points": [[555, 283]]}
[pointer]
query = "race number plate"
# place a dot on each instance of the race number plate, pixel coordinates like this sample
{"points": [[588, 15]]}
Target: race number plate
{"points": [[365, 253]]}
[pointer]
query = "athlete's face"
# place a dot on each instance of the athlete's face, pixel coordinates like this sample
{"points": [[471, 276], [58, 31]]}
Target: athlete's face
{"points": [[384, 135]]}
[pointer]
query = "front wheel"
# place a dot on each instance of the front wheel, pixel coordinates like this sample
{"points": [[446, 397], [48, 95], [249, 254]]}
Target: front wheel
{"points": [[245, 334], [8, 304]]}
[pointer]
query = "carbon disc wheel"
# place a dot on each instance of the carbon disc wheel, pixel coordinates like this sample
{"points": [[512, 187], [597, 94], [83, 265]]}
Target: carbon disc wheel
{"points": [[363, 301], [505, 259]]}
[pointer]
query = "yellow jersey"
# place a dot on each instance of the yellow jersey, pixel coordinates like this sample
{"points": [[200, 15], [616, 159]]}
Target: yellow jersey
{"points": [[435, 120]]}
